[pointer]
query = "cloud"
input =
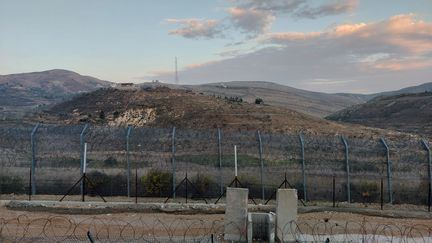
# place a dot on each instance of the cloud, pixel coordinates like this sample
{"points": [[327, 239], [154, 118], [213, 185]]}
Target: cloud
{"points": [[400, 65], [196, 28], [251, 21], [398, 34], [334, 8], [255, 17], [280, 6], [394, 52]]}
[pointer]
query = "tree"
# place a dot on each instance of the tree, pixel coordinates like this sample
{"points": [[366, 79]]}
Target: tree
{"points": [[259, 101]]}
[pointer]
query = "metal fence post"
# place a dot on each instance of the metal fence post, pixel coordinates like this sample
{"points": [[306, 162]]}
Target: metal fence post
{"points": [[303, 166], [220, 160], [389, 173], [426, 146], [262, 164], [82, 154], [128, 175], [33, 160], [345, 142], [173, 161]]}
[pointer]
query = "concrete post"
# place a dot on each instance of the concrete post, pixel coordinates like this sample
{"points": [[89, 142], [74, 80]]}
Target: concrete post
{"points": [[389, 173], [347, 165], [286, 214], [33, 159], [302, 158], [235, 221], [128, 174]]}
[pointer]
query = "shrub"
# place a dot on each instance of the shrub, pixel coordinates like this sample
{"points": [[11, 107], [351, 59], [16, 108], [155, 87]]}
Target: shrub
{"points": [[11, 184], [365, 191], [100, 182], [259, 101], [252, 183], [110, 161], [205, 185], [106, 185], [157, 183]]}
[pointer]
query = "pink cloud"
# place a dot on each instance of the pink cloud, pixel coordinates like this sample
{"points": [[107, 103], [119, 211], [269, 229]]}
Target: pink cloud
{"points": [[403, 65]]}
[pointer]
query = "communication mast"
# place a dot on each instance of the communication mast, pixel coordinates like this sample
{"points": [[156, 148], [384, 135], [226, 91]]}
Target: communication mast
{"points": [[176, 72]]}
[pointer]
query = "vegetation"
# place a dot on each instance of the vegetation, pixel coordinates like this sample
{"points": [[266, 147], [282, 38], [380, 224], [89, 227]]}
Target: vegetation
{"points": [[259, 101], [205, 185], [157, 183], [11, 184]]}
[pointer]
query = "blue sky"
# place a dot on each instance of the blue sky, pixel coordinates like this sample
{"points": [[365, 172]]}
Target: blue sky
{"points": [[331, 46]]}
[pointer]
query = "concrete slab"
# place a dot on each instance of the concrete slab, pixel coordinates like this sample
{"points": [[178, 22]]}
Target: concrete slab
{"points": [[286, 213], [235, 222]]}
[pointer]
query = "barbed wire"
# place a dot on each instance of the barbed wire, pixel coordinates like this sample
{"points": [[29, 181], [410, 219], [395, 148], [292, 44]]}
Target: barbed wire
{"points": [[58, 228]]}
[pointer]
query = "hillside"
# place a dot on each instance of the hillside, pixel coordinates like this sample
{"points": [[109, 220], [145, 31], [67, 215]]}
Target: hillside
{"points": [[404, 112], [312, 103], [25, 92], [164, 107], [426, 87]]}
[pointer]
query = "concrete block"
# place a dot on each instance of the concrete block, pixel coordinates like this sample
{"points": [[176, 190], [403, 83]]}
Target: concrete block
{"points": [[235, 221], [286, 214], [261, 227]]}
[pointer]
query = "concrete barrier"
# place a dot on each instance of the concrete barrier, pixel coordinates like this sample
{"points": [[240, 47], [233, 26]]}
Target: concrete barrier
{"points": [[235, 222], [286, 212]]}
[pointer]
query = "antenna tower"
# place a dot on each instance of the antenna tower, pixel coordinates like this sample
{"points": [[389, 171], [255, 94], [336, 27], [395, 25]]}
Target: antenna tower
{"points": [[176, 72]]}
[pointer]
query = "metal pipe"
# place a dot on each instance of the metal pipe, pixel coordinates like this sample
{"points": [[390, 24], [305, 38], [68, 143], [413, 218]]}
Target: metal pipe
{"points": [[303, 166], [426, 146], [82, 154], [128, 175], [220, 160], [348, 186], [389, 173], [262, 165], [173, 161], [33, 160]]}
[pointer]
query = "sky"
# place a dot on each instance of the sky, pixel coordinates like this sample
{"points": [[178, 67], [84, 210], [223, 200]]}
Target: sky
{"points": [[357, 46]]}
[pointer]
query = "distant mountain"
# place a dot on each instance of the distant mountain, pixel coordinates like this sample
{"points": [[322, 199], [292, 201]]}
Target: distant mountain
{"points": [[312, 103], [24, 92], [426, 87], [403, 112]]}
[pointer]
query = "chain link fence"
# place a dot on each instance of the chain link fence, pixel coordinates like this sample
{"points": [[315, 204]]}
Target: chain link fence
{"points": [[45, 161]]}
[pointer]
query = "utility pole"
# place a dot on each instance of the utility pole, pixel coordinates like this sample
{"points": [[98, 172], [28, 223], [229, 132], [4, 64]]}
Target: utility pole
{"points": [[176, 72]]}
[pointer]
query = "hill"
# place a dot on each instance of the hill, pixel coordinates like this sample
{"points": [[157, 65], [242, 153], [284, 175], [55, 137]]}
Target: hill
{"points": [[403, 112], [25, 92], [312, 103], [164, 107], [426, 87]]}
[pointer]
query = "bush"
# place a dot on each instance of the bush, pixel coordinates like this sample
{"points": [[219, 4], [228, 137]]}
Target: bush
{"points": [[100, 181], [11, 184], [106, 185], [252, 183], [205, 185], [259, 101], [365, 191], [157, 183], [110, 161]]}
